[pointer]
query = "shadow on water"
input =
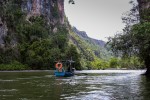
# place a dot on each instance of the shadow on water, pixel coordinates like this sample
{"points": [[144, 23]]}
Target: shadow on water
{"points": [[145, 87], [85, 85]]}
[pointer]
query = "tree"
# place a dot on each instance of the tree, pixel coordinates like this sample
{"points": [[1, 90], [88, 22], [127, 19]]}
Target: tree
{"points": [[71, 53], [141, 42], [135, 40]]}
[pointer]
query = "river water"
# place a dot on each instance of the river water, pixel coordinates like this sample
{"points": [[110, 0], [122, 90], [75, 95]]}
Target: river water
{"points": [[85, 85]]}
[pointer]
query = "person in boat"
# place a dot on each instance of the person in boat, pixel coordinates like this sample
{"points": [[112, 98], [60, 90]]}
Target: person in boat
{"points": [[70, 67]]}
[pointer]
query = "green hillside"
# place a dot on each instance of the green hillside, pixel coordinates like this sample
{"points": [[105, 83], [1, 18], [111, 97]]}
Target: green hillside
{"points": [[90, 50]]}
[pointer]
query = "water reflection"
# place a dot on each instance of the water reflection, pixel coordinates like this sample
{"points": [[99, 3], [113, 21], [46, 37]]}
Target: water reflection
{"points": [[85, 85], [108, 86]]}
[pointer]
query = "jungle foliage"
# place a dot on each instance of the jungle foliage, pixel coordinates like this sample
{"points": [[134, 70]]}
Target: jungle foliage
{"points": [[135, 39], [32, 42]]}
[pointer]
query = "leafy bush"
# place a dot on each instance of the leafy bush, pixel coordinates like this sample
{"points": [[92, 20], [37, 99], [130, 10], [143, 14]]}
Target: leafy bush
{"points": [[99, 64], [126, 62], [131, 63], [114, 63], [15, 65]]}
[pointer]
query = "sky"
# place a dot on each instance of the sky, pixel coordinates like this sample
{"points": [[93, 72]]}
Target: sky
{"points": [[98, 18]]}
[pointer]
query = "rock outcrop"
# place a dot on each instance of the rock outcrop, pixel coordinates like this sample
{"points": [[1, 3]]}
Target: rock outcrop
{"points": [[53, 10], [144, 10], [3, 32], [83, 35]]}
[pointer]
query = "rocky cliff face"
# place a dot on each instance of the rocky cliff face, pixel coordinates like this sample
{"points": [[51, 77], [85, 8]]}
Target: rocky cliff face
{"points": [[80, 33], [33, 24], [144, 4], [53, 10], [3, 31], [144, 9]]}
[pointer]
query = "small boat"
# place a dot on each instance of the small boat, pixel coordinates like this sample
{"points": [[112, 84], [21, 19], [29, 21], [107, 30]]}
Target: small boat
{"points": [[63, 74], [61, 70]]}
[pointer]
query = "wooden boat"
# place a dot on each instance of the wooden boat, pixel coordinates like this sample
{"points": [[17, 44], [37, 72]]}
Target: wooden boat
{"points": [[61, 70], [63, 74]]}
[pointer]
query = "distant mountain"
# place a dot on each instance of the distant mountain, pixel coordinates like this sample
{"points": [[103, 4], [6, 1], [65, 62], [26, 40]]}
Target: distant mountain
{"points": [[80, 33], [89, 48], [83, 34]]}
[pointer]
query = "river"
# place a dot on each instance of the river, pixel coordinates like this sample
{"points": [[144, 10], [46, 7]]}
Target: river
{"points": [[85, 85]]}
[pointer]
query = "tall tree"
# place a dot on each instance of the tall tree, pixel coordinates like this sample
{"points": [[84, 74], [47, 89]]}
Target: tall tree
{"points": [[135, 39]]}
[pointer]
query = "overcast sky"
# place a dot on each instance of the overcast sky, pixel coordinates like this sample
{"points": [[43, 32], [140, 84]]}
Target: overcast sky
{"points": [[98, 18]]}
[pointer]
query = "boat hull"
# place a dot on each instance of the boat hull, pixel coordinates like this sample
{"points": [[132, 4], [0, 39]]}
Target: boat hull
{"points": [[63, 74], [59, 74], [68, 74]]}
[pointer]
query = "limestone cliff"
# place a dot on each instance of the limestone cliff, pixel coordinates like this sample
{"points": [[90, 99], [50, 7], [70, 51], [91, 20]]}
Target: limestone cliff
{"points": [[33, 32], [3, 31], [53, 10], [144, 9]]}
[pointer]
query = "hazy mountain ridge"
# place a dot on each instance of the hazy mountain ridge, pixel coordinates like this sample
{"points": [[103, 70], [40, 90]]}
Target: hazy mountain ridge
{"points": [[83, 35], [89, 48]]}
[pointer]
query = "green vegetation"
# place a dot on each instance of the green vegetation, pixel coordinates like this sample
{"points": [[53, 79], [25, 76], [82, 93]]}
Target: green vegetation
{"points": [[32, 42], [99, 64], [15, 65], [128, 63], [134, 41], [96, 57], [104, 59], [118, 63]]}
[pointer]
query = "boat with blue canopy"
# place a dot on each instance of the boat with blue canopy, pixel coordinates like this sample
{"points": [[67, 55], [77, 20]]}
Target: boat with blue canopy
{"points": [[64, 68]]}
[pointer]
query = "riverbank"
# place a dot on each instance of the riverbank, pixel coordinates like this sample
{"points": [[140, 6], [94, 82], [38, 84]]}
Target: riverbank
{"points": [[27, 71], [84, 71]]}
